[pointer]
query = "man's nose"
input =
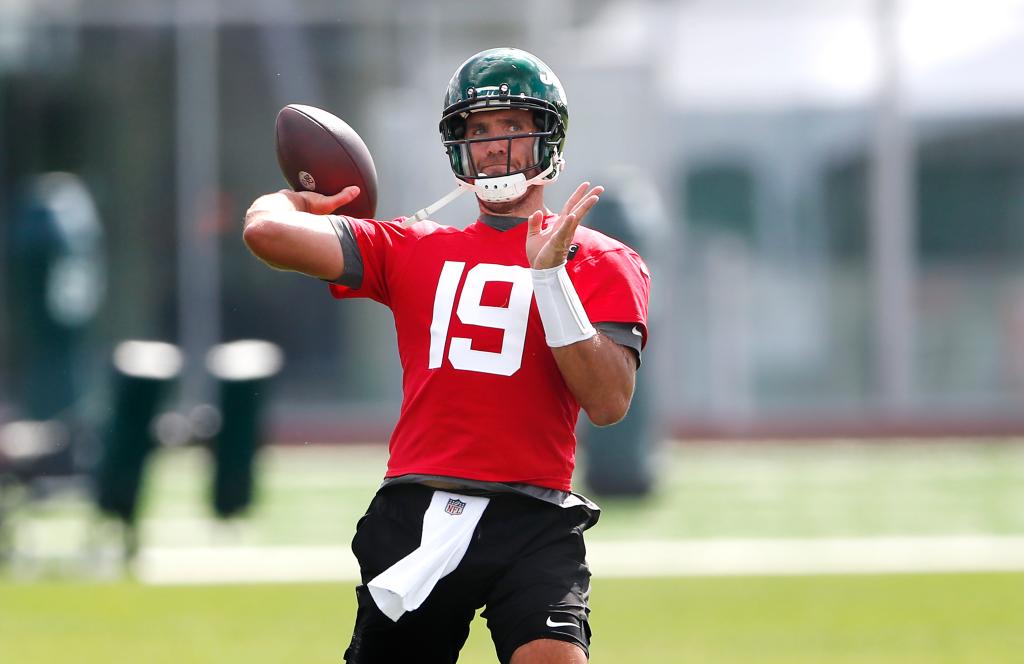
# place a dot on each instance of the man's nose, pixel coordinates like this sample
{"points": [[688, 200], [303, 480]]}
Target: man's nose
{"points": [[496, 146]]}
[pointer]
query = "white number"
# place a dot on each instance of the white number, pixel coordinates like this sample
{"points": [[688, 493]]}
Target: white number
{"points": [[510, 319], [444, 300]]}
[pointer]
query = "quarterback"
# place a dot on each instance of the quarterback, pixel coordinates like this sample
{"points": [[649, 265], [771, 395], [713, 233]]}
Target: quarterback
{"points": [[505, 329]]}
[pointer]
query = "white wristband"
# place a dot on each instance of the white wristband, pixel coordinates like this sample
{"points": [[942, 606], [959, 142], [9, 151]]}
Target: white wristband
{"points": [[561, 312]]}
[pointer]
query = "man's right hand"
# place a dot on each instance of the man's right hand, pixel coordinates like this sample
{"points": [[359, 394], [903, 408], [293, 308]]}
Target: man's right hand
{"points": [[287, 230], [314, 203]]}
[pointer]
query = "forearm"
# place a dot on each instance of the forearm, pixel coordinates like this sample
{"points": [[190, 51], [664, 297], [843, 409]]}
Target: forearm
{"points": [[601, 376], [281, 231], [598, 371]]}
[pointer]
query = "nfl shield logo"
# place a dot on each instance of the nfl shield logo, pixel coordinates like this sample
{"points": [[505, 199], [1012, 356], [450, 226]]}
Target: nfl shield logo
{"points": [[455, 506]]}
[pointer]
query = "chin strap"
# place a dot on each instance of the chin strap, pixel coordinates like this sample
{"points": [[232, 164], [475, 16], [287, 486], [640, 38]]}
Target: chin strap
{"points": [[493, 190], [434, 207]]}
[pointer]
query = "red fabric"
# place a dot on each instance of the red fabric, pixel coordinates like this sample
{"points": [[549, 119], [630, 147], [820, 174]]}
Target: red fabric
{"points": [[473, 422]]}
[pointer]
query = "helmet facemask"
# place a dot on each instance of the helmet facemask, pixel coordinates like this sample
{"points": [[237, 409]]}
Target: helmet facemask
{"points": [[500, 79], [496, 79], [547, 137]]}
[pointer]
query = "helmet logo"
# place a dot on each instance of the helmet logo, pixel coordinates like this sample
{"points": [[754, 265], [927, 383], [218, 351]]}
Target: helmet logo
{"points": [[307, 181]]}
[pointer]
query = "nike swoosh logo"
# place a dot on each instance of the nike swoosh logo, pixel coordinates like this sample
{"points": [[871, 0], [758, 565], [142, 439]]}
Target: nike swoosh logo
{"points": [[552, 623], [636, 331]]}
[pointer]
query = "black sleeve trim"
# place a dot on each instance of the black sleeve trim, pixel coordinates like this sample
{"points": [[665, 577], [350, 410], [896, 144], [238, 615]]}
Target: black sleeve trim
{"points": [[622, 334], [352, 275]]}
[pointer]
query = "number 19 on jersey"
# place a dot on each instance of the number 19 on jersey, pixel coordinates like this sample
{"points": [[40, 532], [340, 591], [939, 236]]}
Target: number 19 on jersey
{"points": [[511, 319]]}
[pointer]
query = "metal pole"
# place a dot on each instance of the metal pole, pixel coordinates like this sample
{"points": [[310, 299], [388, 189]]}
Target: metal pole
{"points": [[5, 334], [197, 177], [892, 223]]}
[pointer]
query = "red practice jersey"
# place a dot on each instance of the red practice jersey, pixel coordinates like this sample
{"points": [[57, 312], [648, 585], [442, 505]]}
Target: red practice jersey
{"points": [[483, 398]]}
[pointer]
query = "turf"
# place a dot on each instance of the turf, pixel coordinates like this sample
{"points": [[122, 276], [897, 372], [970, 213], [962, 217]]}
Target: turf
{"points": [[878, 619], [312, 495]]}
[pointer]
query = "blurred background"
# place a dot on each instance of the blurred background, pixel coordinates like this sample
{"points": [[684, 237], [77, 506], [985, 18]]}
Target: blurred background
{"points": [[830, 194], [832, 190]]}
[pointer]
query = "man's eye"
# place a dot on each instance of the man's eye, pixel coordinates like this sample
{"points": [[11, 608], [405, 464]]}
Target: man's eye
{"points": [[514, 129]]}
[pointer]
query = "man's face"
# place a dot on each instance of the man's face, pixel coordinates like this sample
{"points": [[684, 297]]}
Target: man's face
{"points": [[492, 157]]}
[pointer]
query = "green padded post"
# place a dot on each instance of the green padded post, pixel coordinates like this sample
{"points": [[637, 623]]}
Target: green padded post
{"points": [[619, 458], [244, 370], [144, 372]]}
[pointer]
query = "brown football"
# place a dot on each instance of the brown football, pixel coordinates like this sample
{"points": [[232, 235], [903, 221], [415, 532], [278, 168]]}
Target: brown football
{"points": [[318, 151]]}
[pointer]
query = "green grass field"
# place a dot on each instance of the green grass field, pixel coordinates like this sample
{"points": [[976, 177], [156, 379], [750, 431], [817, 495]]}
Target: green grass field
{"points": [[906, 619], [312, 496]]}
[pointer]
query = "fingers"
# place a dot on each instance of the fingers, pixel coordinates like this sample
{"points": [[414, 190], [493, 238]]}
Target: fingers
{"points": [[576, 197], [533, 223], [564, 227], [568, 224], [320, 204], [552, 245], [346, 195], [590, 201], [579, 198], [566, 231], [567, 228]]}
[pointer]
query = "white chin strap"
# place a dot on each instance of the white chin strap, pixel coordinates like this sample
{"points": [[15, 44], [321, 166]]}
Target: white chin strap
{"points": [[491, 190], [433, 207]]}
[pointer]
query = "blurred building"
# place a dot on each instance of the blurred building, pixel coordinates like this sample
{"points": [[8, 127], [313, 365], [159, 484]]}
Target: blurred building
{"points": [[844, 181]]}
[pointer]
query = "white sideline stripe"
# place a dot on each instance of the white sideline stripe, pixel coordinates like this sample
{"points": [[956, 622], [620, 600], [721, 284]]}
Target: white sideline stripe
{"points": [[739, 557], [717, 557], [245, 564]]}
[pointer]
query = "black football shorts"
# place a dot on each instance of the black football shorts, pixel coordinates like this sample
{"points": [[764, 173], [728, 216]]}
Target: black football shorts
{"points": [[526, 564]]}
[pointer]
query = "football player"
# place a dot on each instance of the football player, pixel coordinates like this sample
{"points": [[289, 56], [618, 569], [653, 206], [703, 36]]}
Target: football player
{"points": [[505, 329]]}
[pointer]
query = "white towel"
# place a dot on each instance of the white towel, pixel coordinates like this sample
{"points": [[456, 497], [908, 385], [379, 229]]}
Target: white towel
{"points": [[448, 526]]}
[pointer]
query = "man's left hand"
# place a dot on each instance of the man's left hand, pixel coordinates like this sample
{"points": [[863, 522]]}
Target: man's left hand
{"points": [[548, 247]]}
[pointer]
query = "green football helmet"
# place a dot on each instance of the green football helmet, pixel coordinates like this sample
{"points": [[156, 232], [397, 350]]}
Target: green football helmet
{"points": [[502, 78]]}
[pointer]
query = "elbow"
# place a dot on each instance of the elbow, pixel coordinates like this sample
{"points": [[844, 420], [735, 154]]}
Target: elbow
{"points": [[611, 406], [258, 235], [608, 413]]}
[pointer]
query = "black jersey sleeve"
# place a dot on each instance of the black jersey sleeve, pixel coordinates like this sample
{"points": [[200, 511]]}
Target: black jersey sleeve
{"points": [[624, 334], [352, 275]]}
